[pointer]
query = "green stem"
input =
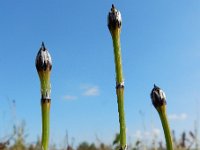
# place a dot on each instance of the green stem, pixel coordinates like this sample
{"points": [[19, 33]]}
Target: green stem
{"points": [[45, 124], [120, 100], [119, 91], [45, 82], [117, 54], [166, 128]]}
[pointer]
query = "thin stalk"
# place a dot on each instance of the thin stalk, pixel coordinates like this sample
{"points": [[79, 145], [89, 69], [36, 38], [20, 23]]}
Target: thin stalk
{"points": [[120, 100], [120, 91], [166, 128], [117, 55], [45, 106]]}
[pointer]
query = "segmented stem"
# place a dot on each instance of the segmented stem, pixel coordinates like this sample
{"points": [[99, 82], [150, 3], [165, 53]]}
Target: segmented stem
{"points": [[43, 64], [119, 87]]}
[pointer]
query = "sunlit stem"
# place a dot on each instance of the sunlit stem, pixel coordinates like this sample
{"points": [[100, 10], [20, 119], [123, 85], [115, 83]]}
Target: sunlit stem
{"points": [[45, 105], [45, 83], [119, 90], [163, 117]]}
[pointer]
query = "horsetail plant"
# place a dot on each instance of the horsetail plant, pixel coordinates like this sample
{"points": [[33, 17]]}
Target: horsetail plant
{"points": [[159, 102], [114, 25], [43, 64]]}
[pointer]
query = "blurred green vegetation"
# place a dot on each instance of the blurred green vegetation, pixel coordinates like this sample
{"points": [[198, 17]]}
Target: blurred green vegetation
{"points": [[17, 141]]}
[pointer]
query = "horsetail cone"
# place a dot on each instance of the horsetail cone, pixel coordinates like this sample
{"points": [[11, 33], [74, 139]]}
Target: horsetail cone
{"points": [[114, 26], [158, 97], [159, 102], [43, 65], [114, 19]]}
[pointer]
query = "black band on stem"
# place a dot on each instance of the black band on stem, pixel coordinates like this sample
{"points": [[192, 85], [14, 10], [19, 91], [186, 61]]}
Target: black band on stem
{"points": [[120, 85], [45, 100]]}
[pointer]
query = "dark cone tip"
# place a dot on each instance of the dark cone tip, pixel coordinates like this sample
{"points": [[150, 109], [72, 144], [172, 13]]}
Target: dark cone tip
{"points": [[113, 7], [155, 86], [43, 46]]}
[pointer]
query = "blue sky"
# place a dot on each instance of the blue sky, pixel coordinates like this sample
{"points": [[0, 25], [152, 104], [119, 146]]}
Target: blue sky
{"points": [[160, 44]]}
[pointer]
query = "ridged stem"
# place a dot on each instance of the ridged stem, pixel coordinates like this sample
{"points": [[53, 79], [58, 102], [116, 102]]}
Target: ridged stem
{"points": [[163, 117], [119, 86], [117, 55], [45, 106]]}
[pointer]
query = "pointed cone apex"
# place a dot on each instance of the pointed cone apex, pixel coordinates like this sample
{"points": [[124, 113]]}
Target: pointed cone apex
{"points": [[155, 86], [158, 97], [114, 19], [113, 7], [43, 46], [43, 60]]}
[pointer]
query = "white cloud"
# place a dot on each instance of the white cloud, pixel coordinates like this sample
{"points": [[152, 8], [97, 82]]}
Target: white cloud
{"points": [[156, 132], [178, 117], [69, 97], [91, 91], [138, 134], [147, 134]]}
